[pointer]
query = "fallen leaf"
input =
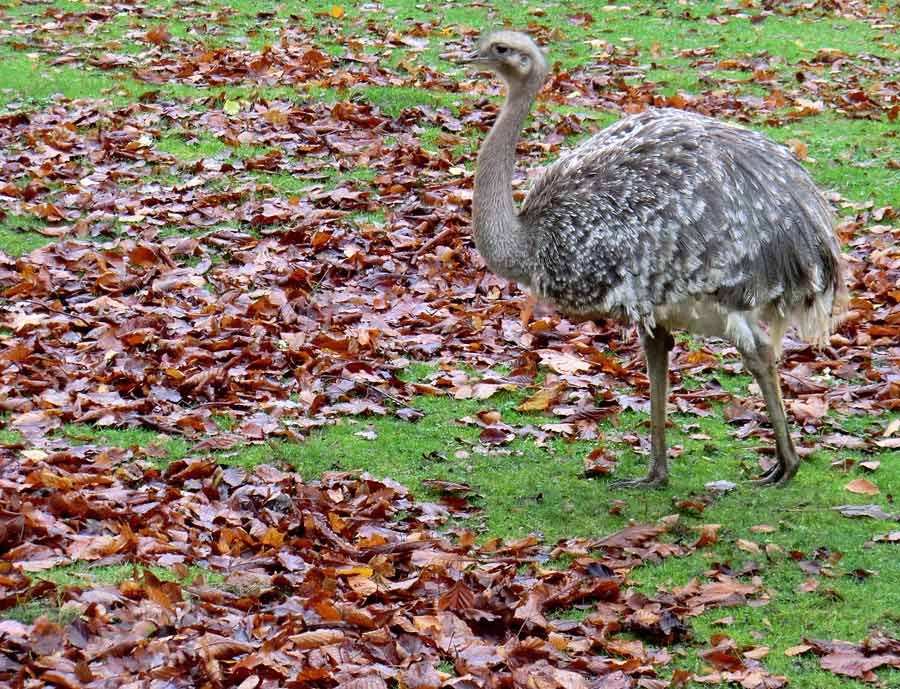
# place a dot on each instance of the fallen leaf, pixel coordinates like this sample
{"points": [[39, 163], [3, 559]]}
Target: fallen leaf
{"points": [[862, 486], [561, 362], [762, 528], [540, 401], [871, 511], [796, 650], [709, 533]]}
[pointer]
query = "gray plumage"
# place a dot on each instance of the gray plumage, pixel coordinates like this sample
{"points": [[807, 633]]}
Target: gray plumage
{"points": [[667, 208], [667, 219]]}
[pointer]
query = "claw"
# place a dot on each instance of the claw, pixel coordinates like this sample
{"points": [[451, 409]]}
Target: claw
{"points": [[649, 481], [770, 476], [778, 475]]}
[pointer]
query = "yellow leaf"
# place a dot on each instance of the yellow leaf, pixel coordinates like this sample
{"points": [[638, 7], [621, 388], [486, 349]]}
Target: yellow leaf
{"points": [[336, 11], [231, 107], [763, 528], [273, 537], [800, 149], [558, 641], [748, 546], [562, 362], [317, 638], [541, 401], [48, 479], [797, 650], [362, 585], [34, 455], [362, 571], [757, 653], [892, 428]]}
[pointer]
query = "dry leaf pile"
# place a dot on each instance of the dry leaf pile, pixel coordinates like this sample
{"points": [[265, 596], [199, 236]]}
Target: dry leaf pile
{"points": [[254, 283], [316, 313], [342, 582], [294, 306]]}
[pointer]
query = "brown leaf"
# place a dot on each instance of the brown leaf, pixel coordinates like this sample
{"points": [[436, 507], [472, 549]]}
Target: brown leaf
{"points": [[421, 675], [599, 463], [724, 657], [797, 650], [855, 663], [809, 409], [890, 537], [561, 362], [709, 533], [158, 35], [458, 597], [317, 638], [862, 486]]}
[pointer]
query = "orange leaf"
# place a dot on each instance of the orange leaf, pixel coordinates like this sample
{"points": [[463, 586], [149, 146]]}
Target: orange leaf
{"points": [[709, 533], [862, 486], [799, 148], [158, 35]]}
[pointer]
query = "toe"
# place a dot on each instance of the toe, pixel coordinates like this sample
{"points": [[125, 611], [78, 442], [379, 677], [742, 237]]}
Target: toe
{"points": [[645, 482], [770, 477]]}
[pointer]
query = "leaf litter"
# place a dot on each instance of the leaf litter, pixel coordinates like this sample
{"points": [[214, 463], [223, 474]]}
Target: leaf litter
{"points": [[287, 309], [293, 308], [342, 581]]}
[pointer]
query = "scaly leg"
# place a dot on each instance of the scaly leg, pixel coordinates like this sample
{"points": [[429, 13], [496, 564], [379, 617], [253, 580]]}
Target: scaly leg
{"points": [[656, 348], [761, 362]]}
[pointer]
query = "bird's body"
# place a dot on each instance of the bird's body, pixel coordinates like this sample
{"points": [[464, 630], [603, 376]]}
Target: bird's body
{"points": [[680, 220], [666, 219]]}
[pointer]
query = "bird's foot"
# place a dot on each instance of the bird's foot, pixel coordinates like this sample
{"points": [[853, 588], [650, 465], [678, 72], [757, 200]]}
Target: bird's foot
{"points": [[778, 475], [649, 481]]}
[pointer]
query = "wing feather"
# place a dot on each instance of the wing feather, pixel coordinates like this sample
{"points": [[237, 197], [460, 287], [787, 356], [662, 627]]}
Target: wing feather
{"points": [[666, 205]]}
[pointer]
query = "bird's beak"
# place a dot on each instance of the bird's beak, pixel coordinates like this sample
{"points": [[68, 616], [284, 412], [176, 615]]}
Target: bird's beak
{"points": [[473, 56]]}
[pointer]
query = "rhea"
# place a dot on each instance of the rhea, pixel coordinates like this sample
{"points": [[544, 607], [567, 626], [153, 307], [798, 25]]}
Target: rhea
{"points": [[668, 220]]}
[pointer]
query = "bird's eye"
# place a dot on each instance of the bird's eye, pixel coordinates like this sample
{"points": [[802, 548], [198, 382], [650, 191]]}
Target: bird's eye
{"points": [[500, 49]]}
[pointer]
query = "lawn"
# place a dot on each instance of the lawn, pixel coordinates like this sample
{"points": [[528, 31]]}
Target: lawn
{"points": [[235, 235]]}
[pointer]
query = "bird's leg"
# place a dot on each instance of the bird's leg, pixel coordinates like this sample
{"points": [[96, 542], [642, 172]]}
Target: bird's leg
{"points": [[656, 348], [762, 364]]}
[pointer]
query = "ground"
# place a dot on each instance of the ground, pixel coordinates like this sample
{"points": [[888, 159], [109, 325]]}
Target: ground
{"points": [[239, 231]]}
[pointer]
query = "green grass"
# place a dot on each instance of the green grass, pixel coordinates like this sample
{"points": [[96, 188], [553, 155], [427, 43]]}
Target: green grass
{"points": [[80, 575], [394, 100], [842, 608], [849, 155], [134, 438], [33, 80], [191, 148], [524, 488], [17, 235], [511, 478], [83, 575]]}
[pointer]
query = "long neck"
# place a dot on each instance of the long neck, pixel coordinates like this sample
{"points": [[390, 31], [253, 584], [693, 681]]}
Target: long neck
{"points": [[499, 235]]}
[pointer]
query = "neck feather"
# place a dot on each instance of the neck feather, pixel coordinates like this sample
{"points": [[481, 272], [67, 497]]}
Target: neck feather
{"points": [[499, 235]]}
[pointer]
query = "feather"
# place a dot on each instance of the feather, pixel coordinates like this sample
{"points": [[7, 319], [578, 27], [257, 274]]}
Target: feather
{"points": [[668, 208]]}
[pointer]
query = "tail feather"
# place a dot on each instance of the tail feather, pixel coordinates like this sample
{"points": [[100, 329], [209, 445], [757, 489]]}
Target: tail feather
{"points": [[820, 316]]}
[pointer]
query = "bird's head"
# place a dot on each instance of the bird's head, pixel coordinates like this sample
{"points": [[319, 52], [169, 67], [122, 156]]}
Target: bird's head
{"points": [[511, 55]]}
